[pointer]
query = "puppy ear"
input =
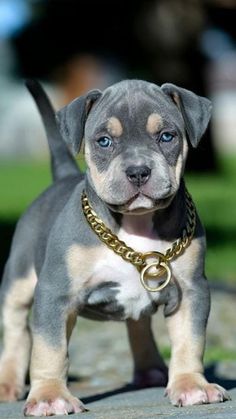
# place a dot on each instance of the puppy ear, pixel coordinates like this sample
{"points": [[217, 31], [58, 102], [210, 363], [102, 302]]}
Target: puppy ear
{"points": [[196, 110], [71, 119]]}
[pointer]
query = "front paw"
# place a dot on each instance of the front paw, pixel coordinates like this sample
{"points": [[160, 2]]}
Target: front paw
{"points": [[52, 399], [190, 389]]}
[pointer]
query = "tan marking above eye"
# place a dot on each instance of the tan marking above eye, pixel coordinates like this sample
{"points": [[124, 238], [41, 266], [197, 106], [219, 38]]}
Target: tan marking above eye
{"points": [[114, 127], [154, 123]]}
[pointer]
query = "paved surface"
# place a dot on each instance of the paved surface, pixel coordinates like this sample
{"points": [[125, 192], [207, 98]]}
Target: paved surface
{"points": [[148, 404]]}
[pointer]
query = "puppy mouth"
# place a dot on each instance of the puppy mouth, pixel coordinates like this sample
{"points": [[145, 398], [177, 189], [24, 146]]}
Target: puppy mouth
{"points": [[141, 203]]}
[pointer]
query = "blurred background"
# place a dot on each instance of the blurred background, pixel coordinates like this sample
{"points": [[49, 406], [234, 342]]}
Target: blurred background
{"points": [[73, 46]]}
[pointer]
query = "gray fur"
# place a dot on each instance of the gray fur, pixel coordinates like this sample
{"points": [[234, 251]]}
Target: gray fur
{"points": [[71, 119], [200, 306], [100, 302], [196, 111]]}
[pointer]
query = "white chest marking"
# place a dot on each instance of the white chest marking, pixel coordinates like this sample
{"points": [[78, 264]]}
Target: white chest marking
{"points": [[111, 267]]}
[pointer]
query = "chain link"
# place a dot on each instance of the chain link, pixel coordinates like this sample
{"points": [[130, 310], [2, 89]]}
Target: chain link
{"points": [[138, 259]]}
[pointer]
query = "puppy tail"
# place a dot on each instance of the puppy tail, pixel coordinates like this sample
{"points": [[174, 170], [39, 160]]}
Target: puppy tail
{"points": [[62, 162]]}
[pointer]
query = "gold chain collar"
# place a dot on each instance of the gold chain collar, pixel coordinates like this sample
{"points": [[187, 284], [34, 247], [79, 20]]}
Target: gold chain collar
{"points": [[158, 264]]}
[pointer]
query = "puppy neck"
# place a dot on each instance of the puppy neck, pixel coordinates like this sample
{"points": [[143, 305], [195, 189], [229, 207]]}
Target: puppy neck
{"points": [[170, 222], [138, 225], [110, 218]]}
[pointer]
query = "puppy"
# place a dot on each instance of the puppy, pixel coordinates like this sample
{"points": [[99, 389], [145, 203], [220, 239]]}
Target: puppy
{"points": [[111, 245]]}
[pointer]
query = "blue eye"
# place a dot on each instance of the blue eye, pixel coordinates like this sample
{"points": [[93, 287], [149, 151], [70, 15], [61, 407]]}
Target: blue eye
{"points": [[104, 142], [166, 137]]}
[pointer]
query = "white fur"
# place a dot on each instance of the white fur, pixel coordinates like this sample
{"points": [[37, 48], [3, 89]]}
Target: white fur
{"points": [[111, 267]]}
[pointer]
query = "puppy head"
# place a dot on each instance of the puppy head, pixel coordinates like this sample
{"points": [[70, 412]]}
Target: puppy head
{"points": [[136, 140]]}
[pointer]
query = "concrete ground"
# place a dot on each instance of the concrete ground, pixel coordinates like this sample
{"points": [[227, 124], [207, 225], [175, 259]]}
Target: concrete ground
{"points": [[148, 403]]}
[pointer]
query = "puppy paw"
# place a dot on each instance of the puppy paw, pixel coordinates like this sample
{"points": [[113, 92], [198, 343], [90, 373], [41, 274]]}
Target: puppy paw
{"points": [[153, 377], [51, 400], [190, 389], [216, 393], [58, 406]]}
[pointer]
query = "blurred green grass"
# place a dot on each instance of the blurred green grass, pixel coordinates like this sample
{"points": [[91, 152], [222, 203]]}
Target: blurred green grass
{"points": [[214, 195], [214, 353]]}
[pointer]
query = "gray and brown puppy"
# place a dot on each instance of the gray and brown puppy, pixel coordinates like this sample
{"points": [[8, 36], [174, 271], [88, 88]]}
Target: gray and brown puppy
{"points": [[135, 135]]}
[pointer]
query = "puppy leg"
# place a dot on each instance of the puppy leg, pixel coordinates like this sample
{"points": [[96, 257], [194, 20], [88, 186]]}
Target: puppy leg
{"points": [[187, 384], [14, 360], [53, 324], [149, 367]]}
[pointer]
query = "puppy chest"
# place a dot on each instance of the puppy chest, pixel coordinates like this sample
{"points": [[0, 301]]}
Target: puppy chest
{"points": [[114, 291], [111, 286]]}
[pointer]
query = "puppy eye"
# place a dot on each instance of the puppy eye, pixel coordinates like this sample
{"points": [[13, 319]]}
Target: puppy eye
{"points": [[166, 137], [104, 142]]}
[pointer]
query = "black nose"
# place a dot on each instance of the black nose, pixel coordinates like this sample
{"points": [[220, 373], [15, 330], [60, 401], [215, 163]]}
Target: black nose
{"points": [[138, 175]]}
